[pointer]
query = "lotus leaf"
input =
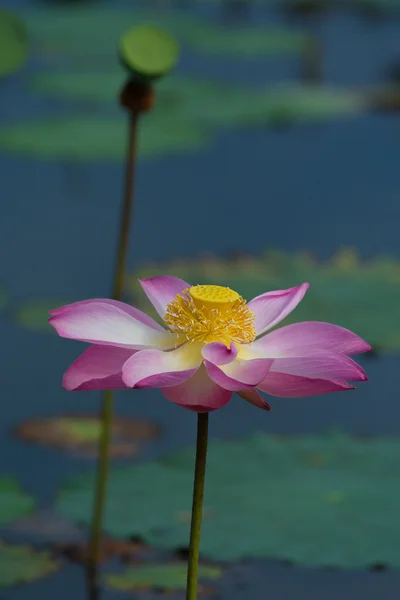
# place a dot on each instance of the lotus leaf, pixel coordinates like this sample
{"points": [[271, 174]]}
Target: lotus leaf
{"points": [[94, 138], [14, 502], [167, 577], [14, 43], [326, 500], [22, 564]]}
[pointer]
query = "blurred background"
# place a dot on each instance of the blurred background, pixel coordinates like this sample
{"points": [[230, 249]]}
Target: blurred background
{"points": [[271, 158]]}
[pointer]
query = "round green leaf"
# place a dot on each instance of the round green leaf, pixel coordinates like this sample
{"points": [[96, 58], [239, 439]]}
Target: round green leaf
{"points": [[314, 500], [168, 577], [14, 502], [83, 138], [13, 43], [149, 51], [22, 564]]}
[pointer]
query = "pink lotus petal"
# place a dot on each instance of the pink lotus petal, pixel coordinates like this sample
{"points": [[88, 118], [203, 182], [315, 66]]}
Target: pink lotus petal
{"points": [[240, 374], [272, 307], [130, 310], [298, 339], [290, 386], [155, 368], [219, 354], [254, 397], [106, 324], [320, 365], [162, 290], [198, 393], [98, 368]]}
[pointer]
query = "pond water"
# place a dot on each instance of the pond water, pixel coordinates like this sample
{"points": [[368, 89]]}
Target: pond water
{"points": [[313, 187]]}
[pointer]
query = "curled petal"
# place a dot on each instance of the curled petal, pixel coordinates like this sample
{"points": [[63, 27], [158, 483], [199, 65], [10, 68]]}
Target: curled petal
{"points": [[291, 386], [254, 397], [130, 310], [298, 339], [99, 322], [98, 368], [162, 290], [320, 365], [240, 374], [219, 354], [198, 393], [155, 368], [272, 307]]}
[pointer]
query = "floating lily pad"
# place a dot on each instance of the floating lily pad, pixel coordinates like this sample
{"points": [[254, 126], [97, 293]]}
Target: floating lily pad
{"points": [[327, 500], [187, 116], [344, 290], [87, 33], [149, 52], [210, 103], [96, 30], [166, 577], [14, 502], [91, 138], [80, 434], [14, 43], [22, 564]]}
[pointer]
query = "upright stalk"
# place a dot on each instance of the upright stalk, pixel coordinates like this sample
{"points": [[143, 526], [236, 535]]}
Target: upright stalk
{"points": [[197, 508], [108, 399]]}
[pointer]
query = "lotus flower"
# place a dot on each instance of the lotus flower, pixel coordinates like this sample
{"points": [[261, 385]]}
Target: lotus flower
{"points": [[214, 344]]}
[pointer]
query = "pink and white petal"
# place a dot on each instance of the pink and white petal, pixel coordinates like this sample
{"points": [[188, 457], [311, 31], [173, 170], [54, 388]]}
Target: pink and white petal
{"points": [[199, 393], [106, 324], [155, 368], [320, 365], [298, 339], [291, 386], [272, 307], [162, 290], [240, 374], [130, 310], [219, 354], [98, 368], [254, 397]]}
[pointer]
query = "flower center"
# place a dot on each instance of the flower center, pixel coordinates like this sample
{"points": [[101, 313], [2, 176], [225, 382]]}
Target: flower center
{"points": [[211, 313]]}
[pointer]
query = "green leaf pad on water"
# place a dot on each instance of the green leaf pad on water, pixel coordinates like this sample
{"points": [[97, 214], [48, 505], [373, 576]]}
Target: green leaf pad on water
{"points": [[94, 138], [167, 577], [14, 43], [80, 434], [22, 564], [148, 51], [14, 502], [315, 500]]}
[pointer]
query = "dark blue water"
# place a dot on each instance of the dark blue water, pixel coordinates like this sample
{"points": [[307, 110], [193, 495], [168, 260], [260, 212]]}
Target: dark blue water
{"points": [[315, 188]]}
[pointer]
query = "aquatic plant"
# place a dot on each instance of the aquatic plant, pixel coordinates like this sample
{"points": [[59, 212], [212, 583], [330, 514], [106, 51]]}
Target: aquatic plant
{"points": [[316, 500], [215, 344], [14, 43], [211, 348], [23, 564], [345, 289]]}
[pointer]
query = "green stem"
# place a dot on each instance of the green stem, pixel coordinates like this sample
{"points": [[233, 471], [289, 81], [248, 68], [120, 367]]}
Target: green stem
{"points": [[108, 400], [197, 508]]}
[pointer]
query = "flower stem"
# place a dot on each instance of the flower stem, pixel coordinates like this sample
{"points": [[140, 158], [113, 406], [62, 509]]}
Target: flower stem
{"points": [[108, 399], [197, 508]]}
